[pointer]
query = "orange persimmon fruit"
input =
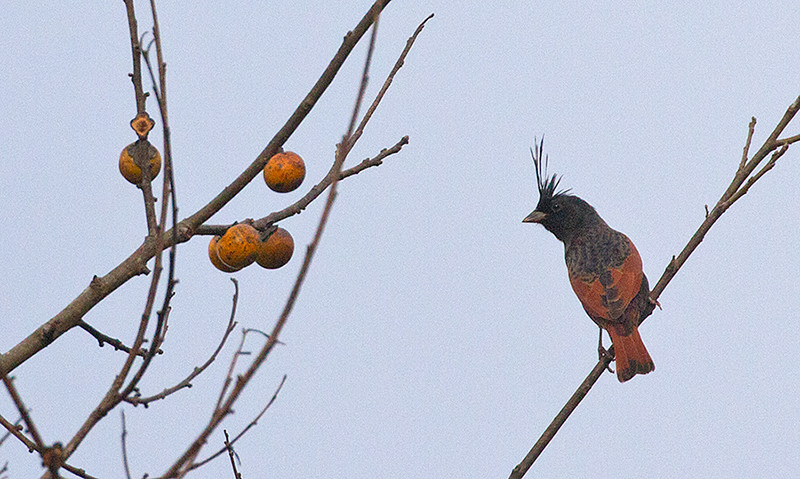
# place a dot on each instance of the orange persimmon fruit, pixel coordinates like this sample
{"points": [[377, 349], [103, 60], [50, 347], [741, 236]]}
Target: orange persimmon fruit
{"points": [[284, 172], [238, 247], [128, 167], [276, 251], [213, 255]]}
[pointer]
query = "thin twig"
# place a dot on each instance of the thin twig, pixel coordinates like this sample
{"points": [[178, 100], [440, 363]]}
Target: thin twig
{"points": [[232, 454], [726, 199], [113, 395], [141, 157], [789, 140], [123, 440], [231, 367], [23, 411], [750, 130], [16, 431], [136, 51], [77, 471], [253, 423], [103, 339], [169, 197], [4, 422], [768, 166], [283, 134], [388, 82], [168, 193], [300, 205], [362, 87]]}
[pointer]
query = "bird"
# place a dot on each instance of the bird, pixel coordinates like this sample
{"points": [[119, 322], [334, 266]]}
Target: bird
{"points": [[605, 269]]}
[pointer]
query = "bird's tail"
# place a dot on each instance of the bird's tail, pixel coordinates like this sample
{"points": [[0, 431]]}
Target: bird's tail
{"points": [[631, 356]]}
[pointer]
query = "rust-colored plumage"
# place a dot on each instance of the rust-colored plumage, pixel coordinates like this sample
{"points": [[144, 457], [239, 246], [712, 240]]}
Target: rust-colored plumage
{"points": [[605, 270]]}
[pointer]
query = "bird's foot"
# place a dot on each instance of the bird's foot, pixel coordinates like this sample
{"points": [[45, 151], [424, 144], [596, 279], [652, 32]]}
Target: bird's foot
{"points": [[655, 302], [603, 354]]}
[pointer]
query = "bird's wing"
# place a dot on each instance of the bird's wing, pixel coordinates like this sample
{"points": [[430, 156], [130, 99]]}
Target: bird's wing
{"points": [[606, 295]]}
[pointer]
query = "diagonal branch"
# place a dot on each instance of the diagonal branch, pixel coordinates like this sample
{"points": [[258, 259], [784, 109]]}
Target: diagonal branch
{"points": [[734, 191], [103, 339], [16, 430], [561, 418], [23, 411], [294, 121]]}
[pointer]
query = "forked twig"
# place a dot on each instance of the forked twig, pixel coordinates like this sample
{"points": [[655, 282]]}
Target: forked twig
{"points": [[16, 430], [252, 424], [23, 411], [116, 393], [314, 192]]}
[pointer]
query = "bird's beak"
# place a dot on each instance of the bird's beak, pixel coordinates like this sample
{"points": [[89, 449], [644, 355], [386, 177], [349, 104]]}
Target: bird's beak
{"points": [[535, 217]]}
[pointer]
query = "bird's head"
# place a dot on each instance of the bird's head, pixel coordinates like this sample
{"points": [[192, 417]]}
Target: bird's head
{"points": [[560, 213]]}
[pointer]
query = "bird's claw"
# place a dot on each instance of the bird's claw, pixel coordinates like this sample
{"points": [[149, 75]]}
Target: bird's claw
{"points": [[603, 354], [655, 302]]}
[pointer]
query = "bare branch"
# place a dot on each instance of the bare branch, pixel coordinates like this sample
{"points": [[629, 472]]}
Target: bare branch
{"points": [[750, 130], [123, 441], [136, 51], [23, 411], [789, 140], [16, 431], [313, 193], [4, 422], [520, 470], [388, 82], [77, 471], [231, 367], [155, 229], [232, 454], [102, 339], [768, 166], [731, 194], [300, 113]]}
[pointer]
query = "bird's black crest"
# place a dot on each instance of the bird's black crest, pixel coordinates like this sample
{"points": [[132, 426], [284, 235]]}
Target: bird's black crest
{"points": [[547, 186]]}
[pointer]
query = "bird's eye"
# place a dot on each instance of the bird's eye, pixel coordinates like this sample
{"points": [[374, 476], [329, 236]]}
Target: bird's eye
{"points": [[556, 207]]}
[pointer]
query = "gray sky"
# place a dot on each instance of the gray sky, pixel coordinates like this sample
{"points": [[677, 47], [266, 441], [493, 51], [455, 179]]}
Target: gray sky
{"points": [[436, 335]]}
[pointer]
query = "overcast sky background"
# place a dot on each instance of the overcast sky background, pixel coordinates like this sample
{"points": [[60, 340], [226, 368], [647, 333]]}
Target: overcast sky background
{"points": [[436, 335]]}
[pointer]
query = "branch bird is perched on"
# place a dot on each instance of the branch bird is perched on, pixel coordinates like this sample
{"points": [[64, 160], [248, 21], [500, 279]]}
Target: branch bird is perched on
{"points": [[605, 269]]}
